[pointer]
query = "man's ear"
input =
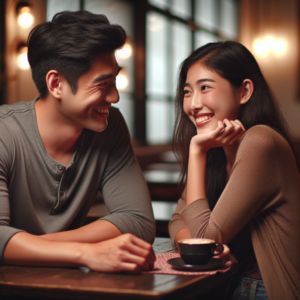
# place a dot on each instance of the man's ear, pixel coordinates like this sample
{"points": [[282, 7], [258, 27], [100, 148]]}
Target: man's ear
{"points": [[246, 91], [54, 83]]}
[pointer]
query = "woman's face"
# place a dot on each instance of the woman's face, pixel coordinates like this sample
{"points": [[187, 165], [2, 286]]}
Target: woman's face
{"points": [[209, 98]]}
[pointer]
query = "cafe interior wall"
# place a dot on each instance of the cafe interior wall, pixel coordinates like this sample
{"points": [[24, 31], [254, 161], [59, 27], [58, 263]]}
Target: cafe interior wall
{"points": [[279, 20], [258, 19], [19, 84]]}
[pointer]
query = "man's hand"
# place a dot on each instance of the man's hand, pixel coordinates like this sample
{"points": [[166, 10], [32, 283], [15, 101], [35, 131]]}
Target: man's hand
{"points": [[225, 134], [124, 253]]}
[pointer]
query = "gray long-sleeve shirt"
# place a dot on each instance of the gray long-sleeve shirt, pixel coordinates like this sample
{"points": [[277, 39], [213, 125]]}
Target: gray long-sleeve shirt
{"points": [[40, 195]]}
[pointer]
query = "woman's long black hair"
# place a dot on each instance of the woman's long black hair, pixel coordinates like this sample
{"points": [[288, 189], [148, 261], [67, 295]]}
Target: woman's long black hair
{"points": [[235, 63]]}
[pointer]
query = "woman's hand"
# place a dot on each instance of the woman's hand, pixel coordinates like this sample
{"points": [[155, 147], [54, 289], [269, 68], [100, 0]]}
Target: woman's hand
{"points": [[225, 134], [230, 260]]}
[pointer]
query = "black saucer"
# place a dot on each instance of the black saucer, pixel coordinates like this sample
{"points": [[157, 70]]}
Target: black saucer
{"points": [[178, 263]]}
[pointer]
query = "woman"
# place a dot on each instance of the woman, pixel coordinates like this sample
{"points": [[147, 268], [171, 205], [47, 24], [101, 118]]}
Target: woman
{"points": [[240, 169]]}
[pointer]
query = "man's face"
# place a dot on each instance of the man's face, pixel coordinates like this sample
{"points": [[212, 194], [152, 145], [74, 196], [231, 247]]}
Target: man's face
{"points": [[89, 107]]}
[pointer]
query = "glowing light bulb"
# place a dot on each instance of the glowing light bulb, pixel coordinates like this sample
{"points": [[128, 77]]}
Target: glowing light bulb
{"points": [[261, 47], [270, 45], [121, 82], [25, 18], [23, 59], [270, 41], [279, 46], [125, 52]]}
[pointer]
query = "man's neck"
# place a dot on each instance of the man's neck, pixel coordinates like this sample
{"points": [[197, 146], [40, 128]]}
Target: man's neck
{"points": [[58, 135]]}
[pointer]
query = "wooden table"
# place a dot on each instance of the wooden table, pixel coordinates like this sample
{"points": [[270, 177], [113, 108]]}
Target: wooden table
{"points": [[80, 283]]}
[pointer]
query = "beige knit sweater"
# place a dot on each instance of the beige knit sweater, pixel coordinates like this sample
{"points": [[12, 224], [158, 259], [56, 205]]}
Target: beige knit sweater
{"points": [[263, 195]]}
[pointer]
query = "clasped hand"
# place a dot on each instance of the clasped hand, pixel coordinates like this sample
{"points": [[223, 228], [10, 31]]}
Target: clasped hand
{"points": [[226, 133], [124, 253]]}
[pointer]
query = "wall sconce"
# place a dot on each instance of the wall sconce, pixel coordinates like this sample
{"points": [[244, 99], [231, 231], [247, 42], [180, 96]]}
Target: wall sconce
{"points": [[25, 17], [22, 58], [121, 80], [270, 44], [125, 51]]}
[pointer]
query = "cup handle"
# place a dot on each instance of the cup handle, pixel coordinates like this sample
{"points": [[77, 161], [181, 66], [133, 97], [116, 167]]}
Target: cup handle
{"points": [[221, 251]]}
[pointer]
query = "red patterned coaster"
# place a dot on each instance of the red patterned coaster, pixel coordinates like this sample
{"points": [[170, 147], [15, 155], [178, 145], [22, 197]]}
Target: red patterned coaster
{"points": [[162, 267]]}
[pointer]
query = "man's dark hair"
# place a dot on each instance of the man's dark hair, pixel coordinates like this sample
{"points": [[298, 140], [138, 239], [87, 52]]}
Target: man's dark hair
{"points": [[68, 44]]}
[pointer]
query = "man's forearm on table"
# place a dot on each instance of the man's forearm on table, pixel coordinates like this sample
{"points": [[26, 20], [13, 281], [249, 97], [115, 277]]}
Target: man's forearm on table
{"points": [[94, 232], [124, 253], [30, 250]]}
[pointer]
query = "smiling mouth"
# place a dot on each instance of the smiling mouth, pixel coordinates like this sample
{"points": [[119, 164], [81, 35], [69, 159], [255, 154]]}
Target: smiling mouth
{"points": [[102, 112], [201, 120]]}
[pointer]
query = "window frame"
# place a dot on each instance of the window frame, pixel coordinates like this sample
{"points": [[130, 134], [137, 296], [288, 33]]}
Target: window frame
{"points": [[142, 7]]}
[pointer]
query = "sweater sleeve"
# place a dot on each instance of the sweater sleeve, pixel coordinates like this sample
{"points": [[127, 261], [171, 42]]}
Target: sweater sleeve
{"points": [[6, 161], [124, 189], [251, 189], [176, 223]]}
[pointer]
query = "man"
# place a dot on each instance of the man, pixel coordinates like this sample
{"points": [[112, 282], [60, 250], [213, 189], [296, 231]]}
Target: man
{"points": [[58, 151]]}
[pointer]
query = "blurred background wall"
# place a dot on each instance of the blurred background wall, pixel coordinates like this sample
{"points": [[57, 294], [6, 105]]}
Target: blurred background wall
{"points": [[161, 33], [262, 25], [18, 83]]}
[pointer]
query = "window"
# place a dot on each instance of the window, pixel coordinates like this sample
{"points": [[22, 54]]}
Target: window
{"points": [[174, 28], [168, 42]]}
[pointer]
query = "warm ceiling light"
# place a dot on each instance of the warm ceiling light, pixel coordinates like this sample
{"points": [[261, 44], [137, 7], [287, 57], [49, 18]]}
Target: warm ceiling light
{"points": [[279, 47], [121, 80], [124, 52], [25, 18], [270, 42], [261, 47], [22, 58]]}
